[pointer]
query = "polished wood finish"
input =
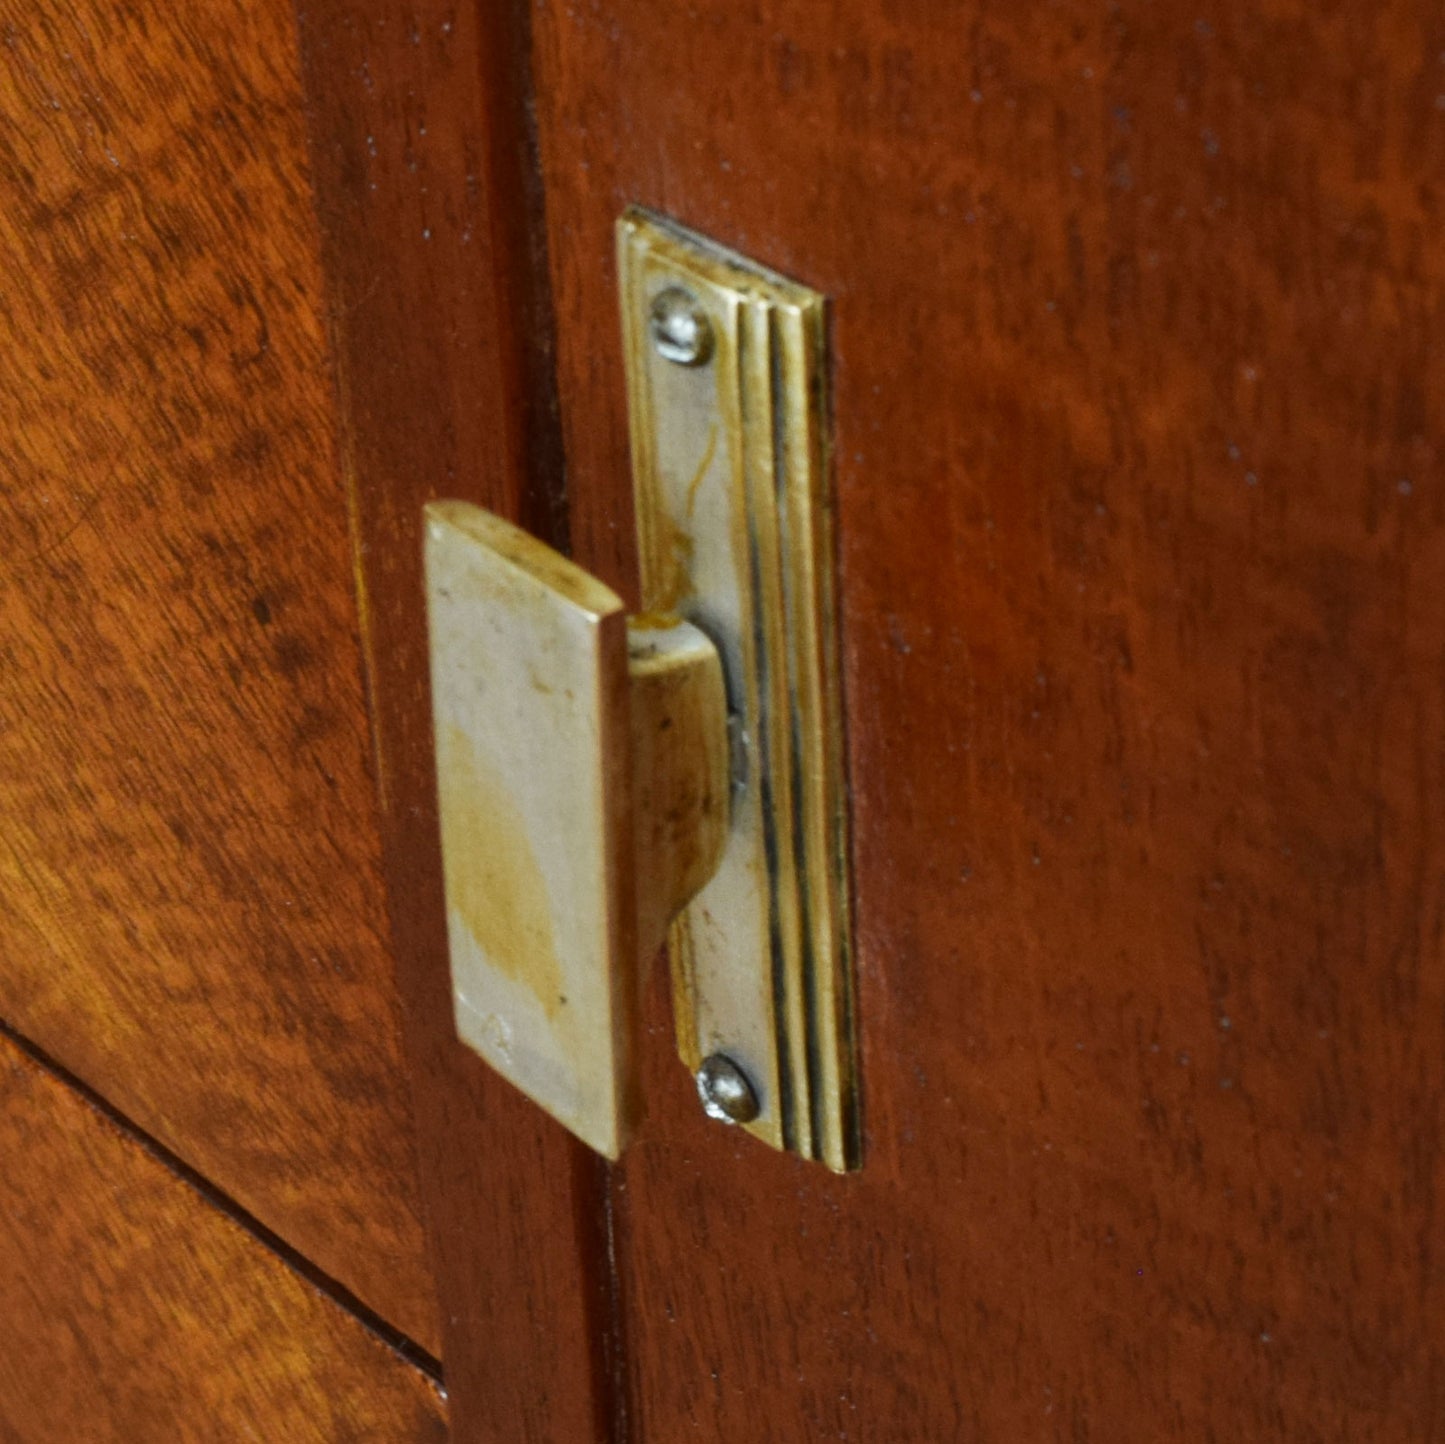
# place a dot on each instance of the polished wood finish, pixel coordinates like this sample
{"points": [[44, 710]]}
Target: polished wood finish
{"points": [[1138, 404], [190, 899], [133, 1311], [421, 155]]}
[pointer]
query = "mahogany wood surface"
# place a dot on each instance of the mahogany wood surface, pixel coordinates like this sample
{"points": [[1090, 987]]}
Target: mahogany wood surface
{"points": [[1142, 536], [191, 913], [424, 177], [134, 1311]]}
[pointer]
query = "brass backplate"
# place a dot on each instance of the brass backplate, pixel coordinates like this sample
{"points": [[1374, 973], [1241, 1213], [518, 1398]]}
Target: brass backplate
{"points": [[727, 389]]}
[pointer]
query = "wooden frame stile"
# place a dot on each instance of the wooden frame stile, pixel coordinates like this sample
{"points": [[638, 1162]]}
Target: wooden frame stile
{"points": [[427, 195]]}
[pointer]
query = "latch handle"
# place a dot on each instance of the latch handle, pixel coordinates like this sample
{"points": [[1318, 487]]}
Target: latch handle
{"points": [[596, 775], [582, 770]]}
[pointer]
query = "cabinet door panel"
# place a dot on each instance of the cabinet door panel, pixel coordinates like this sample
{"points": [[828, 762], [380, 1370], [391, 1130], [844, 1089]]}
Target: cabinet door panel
{"points": [[1138, 398], [136, 1312], [191, 914], [1141, 547]]}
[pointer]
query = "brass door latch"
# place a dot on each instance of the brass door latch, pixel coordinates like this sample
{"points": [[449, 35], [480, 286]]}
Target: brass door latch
{"points": [[605, 782]]}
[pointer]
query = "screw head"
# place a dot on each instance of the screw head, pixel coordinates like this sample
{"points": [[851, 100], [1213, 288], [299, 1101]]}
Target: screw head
{"points": [[726, 1093], [681, 331]]}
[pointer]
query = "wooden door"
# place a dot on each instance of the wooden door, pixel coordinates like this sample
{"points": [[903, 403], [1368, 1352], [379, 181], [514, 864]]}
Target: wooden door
{"points": [[1142, 546], [211, 1222]]}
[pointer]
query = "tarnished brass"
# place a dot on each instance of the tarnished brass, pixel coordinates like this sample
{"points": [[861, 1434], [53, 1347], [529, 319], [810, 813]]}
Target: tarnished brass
{"points": [[583, 787], [727, 395], [607, 782]]}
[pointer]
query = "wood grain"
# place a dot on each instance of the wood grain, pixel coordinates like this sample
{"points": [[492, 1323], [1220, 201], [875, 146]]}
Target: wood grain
{"points": [[137, 1312], [421, 152], [190, 897], [1142, 540]]}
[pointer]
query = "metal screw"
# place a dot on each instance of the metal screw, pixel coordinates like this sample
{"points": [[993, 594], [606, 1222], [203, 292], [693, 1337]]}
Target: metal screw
{"points": [[726, 1093], [681, 331]]}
